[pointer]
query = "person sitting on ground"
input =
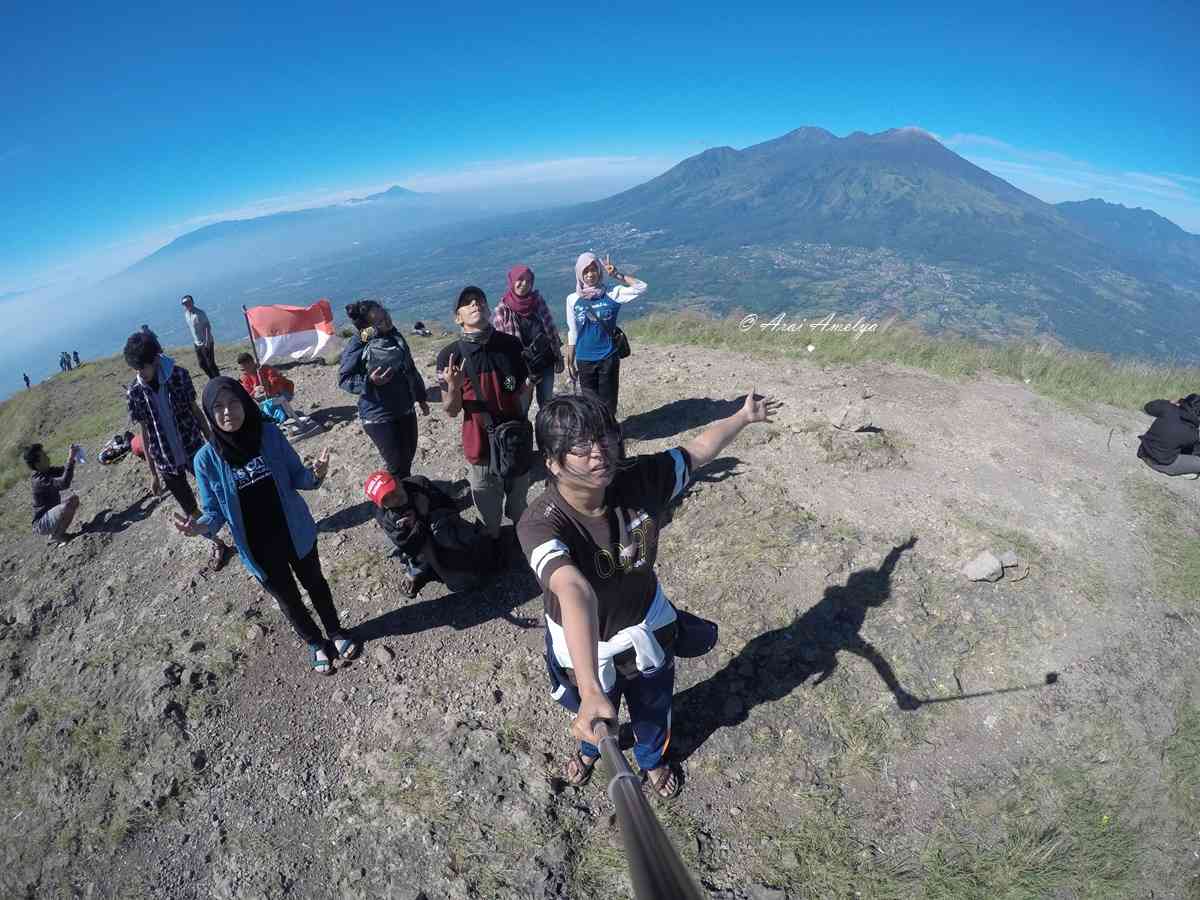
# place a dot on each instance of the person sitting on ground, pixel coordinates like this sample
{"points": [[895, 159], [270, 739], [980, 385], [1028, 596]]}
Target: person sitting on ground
{"points": [[263, 382], [419, 328], [434, 542], [591, 539], [523, 313], [377, 366], [592, 311], [1172, 443], [250, 477], [52, 515], [162, 402], [488, 361]]}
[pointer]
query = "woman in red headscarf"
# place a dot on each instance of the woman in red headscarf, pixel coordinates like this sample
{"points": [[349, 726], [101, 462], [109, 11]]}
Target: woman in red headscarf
{"points": [[523, 313]]}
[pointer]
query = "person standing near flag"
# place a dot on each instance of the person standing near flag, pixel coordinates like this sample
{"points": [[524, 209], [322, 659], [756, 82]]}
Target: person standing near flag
{"points": [[162, 401], [202, 336], [377, 367], [250, 477]]}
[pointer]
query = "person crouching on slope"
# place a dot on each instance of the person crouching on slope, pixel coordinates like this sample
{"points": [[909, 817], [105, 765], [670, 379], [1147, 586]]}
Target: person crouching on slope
{"points": [[591, 539], [263, 382], [162, 401], [250, 476], [1172, 443], [377, 366], [52, 515]]}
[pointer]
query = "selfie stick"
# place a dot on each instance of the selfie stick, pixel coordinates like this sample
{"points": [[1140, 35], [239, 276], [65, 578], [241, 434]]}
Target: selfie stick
{"points": [[654, 864]]}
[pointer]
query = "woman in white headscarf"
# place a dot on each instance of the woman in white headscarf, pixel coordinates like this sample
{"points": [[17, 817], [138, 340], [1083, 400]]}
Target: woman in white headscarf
{"points": [[591, 318]]}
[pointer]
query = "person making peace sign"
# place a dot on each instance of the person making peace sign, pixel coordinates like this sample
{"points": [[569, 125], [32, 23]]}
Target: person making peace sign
{"points": [[250, 476]]}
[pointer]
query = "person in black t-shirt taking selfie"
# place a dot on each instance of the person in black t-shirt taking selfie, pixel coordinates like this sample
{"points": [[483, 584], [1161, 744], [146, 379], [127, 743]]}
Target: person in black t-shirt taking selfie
{"points": [[591, 539]]}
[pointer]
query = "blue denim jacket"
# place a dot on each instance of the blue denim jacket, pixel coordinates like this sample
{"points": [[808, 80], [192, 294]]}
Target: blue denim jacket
{"points": [[219, 495]]}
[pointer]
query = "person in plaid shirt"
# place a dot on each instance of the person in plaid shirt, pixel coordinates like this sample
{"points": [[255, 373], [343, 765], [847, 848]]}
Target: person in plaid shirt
{"points": [[524, 314], [162, 401]]}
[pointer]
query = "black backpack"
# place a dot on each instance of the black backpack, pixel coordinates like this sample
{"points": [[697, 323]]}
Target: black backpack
{"points": [[538, 352]]}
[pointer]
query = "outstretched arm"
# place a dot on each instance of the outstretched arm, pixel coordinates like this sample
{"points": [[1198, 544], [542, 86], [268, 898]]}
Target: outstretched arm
{"points": [[705, 448]]}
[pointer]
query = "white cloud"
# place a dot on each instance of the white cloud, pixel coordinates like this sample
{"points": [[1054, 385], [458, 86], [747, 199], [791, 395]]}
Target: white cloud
{"points": [[1055, 177]]}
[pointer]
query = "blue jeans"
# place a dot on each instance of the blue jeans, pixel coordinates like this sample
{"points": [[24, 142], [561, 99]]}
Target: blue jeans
{"points": [[543, 390], [648, 696]]}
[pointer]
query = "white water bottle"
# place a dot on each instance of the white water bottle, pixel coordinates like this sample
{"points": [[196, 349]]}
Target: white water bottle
{"points": [[80, 456]]}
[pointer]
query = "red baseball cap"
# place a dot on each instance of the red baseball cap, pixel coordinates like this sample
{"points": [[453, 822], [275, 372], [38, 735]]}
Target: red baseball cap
{"points": [[378, 485]]}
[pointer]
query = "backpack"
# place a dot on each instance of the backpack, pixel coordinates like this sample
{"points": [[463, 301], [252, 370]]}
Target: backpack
{"points": [[464, 554], [538, 352]]}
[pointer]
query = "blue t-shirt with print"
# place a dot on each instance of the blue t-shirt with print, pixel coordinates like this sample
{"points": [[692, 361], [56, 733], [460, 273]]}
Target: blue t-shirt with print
{"points": [[592, 342]]}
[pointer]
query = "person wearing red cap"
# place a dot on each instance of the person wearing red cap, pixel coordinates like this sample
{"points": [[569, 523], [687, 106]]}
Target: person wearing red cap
{"points": [[420, 520]]}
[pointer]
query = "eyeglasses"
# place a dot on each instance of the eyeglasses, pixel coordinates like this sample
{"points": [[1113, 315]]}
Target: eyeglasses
{"points": [[608, 447], [474, 301]]}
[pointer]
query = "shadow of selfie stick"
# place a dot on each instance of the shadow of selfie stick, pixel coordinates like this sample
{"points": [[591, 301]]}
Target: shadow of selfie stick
{"points": [[1050, 679], [655, 867]]}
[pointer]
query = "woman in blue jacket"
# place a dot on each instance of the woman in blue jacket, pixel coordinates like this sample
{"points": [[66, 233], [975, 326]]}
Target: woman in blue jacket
{"points": [[377, 367], [249, 477]]}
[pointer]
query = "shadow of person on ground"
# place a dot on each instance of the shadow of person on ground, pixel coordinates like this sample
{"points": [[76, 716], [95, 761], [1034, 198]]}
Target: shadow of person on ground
{"points": [[105, 521], [677, 417], [332, 415], [348, 517], [774, 664], [460, 610]]}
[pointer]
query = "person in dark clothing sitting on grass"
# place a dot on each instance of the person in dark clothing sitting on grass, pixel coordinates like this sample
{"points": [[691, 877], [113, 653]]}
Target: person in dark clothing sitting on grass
{"points": [[52, 515], [1172, 443]]}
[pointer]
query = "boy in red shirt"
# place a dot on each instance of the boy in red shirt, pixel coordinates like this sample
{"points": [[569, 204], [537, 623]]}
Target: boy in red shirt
{"points": [[262, 382]]}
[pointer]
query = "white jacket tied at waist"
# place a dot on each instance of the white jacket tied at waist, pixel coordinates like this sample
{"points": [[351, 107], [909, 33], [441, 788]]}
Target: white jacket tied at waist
{"points": [[640, 637]]}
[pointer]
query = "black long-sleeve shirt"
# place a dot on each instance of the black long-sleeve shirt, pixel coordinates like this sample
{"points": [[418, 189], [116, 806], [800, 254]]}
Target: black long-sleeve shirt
{"points": [[1175, 430], [48, 485]]}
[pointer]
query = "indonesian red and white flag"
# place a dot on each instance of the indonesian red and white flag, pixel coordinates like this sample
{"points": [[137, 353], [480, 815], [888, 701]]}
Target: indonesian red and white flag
{"points": [[295, 333]]}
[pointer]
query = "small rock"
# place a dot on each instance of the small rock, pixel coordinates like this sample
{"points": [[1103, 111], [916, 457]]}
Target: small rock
{"points": [[984, 567], [758, 892], [383, 655], [255, 631], [196, 647], [735, 811], [339, 696], [789, 860], [1009, 559], [199, 760]]}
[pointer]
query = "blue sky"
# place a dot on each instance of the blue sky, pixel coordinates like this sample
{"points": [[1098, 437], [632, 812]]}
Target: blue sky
{"points": [[122, 128]]}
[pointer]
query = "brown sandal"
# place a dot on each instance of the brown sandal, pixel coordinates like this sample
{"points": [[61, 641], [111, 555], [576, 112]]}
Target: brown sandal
{"points": [[660, 785], [578, 770]]}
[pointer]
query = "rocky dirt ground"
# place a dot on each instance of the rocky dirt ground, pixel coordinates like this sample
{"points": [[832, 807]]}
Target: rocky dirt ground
{"points": [[163, 735]]}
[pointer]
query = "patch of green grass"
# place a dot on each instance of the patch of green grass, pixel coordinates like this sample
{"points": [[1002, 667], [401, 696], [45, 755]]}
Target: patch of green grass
{"points": [[1171, 530], [815, 852], [1183, 756], [1059, 832], [1020, 542], [1063, 375]]}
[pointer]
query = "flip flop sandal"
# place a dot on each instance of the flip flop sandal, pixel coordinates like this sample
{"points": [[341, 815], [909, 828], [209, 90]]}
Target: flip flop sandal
{"points": [[219, 556], [581, 767], [658, 784], [320, 660], [346, 648]]}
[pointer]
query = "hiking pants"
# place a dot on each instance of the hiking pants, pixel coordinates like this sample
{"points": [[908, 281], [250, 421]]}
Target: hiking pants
{"points": [[280, 584], [206, 356], [602, 378], [496, 496], [396, 443], [648, 696], [1185, 464]]}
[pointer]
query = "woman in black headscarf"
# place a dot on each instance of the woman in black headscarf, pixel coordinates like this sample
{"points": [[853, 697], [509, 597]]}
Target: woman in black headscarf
{"points": [[250, 477]]}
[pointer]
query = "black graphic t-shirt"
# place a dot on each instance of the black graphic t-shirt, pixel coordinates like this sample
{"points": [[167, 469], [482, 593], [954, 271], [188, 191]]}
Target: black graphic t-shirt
{"points": [[554, 534], [262, 513]]}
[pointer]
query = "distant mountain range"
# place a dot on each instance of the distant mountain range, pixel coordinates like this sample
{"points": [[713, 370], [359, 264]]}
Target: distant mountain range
{"points": [[867, 224]]}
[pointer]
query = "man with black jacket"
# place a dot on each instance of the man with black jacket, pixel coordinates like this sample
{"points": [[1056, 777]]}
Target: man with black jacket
{"points": [[1171, 443], [484, 376]]}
